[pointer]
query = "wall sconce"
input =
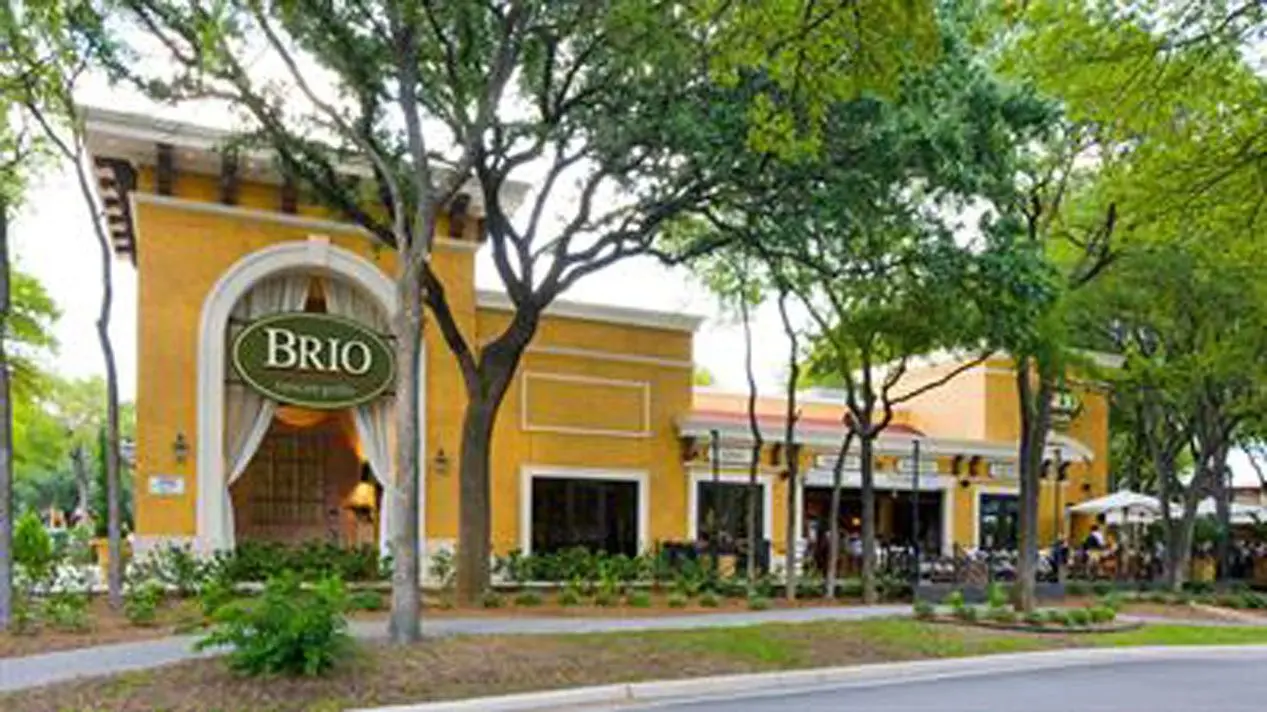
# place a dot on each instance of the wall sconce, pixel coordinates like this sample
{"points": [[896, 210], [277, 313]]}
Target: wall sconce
{"points": [[180, 448], [965, 483], [1086, 487], [440, 462]]}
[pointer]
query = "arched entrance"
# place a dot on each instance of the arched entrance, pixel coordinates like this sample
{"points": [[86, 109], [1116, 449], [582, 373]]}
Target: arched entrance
{"points": [[315, 257]]}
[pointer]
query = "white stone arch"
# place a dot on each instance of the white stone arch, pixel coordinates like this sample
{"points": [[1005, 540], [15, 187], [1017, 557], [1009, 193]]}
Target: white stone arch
{"points": [[317, 256]]}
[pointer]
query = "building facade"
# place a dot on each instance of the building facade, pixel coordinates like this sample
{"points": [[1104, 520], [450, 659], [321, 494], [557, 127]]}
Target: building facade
{"points": [[602, 440]]}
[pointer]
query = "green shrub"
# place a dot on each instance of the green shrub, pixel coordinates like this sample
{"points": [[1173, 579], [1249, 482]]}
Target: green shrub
{"points": [[1002, 615], [569, 597], [367, 601], [677, 600], [954, 600], [968, 614], [141, 602], [1101, 588], [639, 599], [1077, 588], [491, 599], [1054, 616], [604, 599], [252, 561], [175, 566], [758, 603], [1078, 617], [849, 588], [443, 568], [528, 599], [1228, 600], [1035, 618], [996, 595], [709, 600], [216, 593], [894, 588], [286, 630], [1111, 600], [1253, 600], [1199, 588], [68, 611], [1103, 614], [925, 610], [33, 548]]}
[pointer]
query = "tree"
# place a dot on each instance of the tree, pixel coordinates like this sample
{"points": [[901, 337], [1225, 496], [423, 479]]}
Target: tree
{"points": [[1139, 144], [1187, 317], [26, 312], [50, 46], [599, 93], [869, 249]]}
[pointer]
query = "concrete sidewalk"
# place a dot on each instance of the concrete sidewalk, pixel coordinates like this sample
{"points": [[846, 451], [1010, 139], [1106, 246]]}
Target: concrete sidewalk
{"points": [[36, 670]]}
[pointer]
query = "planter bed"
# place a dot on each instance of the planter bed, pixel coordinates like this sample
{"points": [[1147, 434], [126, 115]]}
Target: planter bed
{"points": [[1022, 627]]}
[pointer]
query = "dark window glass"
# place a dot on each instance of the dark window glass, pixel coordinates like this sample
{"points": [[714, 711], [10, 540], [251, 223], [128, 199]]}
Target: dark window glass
{"points": [[722, 507], [999, 519], [592, 514]]}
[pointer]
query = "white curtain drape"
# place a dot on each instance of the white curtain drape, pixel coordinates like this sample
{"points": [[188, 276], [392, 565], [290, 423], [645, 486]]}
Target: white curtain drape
{"points": [[375, 421], [247, 414]]}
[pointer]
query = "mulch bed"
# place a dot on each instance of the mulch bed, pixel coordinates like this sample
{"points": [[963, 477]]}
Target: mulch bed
{"points": [[1022, 627], [492, 665], [178, 617], [106, 627]]}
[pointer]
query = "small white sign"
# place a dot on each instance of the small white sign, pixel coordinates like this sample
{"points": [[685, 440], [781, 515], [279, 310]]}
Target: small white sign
{"points": [[167, 485]]}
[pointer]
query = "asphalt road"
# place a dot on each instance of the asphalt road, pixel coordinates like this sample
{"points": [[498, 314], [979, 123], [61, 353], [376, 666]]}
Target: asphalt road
{"points": [[1137, 686]]}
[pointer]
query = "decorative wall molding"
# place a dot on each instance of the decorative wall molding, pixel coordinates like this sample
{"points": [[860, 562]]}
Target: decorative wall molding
{"points": [[525, 423], [318, 256]]}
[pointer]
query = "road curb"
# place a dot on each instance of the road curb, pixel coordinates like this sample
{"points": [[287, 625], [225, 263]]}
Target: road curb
{"points": [[873, 675]]}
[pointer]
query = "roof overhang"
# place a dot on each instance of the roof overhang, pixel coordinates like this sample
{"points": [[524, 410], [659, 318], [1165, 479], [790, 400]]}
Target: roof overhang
{"points": [[120, 142]]}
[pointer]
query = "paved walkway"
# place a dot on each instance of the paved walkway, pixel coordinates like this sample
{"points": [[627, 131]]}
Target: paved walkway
{"points": [[47, 668]]}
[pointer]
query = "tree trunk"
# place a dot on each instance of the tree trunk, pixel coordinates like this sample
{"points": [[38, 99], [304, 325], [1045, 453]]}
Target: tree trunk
{"points": [[1179, 546], [1035, 411], [6, 433], [114, 490], [792, 453], [496, 369], [869, 593], [755, 461], [404, 626], [833, 526], [79, 467], [475, 501]]}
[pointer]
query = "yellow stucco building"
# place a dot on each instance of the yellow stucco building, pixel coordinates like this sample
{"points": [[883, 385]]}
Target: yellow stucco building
{"points": [[602, 440]]}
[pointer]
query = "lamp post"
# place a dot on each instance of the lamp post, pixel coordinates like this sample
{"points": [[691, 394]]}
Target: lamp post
{"points": [[915, 548], [715, 447], [1058, 476]]}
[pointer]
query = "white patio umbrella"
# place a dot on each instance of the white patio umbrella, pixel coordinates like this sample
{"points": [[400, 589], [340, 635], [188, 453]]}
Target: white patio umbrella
{"points": [[1240, 513], [1123, 506]]}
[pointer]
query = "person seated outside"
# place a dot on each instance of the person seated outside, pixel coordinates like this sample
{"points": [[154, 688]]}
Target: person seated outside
{"points": [[1094, 540]]}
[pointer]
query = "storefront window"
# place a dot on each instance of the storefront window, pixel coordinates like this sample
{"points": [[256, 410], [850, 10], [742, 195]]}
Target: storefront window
{"points": [[591, 514], [998, 519], [722, 507]]}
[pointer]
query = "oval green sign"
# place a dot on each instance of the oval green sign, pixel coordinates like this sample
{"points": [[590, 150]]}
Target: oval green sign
{"points": [[314, 360]]}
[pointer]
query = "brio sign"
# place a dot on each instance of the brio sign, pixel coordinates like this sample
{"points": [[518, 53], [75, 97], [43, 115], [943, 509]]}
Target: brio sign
{"points": [[314, 360]]}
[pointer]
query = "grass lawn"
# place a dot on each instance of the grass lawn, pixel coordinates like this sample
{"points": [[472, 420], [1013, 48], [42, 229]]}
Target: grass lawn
{"points": [[475, 666]]}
